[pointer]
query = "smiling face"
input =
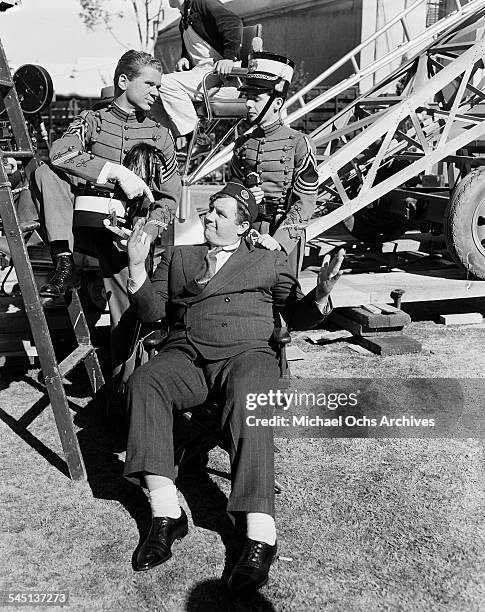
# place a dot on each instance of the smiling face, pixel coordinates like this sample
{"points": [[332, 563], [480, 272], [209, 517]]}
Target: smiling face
{"points": [[140, 92], [221, 224], [255, 103]]}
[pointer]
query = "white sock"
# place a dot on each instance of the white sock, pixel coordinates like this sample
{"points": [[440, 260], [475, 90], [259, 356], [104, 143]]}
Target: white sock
{"points": [[164, 502], [261, 527]]}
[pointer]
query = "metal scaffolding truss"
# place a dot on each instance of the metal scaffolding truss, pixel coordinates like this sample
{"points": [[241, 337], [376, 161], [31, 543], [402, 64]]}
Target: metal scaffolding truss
{"points": [[420, 115], [411, 45]]}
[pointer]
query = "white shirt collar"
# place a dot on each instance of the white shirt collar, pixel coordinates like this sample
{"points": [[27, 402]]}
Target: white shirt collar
{"points": [[228, 247]]}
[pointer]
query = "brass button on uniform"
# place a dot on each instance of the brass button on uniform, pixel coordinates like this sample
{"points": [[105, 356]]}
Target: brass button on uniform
{"points": [[125, 127], [228, 299]]}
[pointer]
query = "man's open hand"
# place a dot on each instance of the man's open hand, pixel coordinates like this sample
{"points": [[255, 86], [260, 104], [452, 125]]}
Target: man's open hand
{"points": [[138, 245], [329, 274]]}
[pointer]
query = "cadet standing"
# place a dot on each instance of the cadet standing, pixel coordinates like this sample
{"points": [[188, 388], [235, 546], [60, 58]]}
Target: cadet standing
{"points": [[281, 159]]}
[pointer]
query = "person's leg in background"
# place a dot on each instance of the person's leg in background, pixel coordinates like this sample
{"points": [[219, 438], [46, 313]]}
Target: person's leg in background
{"points": [[53, 195]]}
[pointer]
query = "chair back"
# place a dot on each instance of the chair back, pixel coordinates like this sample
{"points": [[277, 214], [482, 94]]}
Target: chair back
{"points": [[249, 32]]}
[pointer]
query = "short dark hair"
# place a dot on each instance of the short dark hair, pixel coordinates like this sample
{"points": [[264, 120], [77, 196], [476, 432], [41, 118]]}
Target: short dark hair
{"points": [[132, 62]]}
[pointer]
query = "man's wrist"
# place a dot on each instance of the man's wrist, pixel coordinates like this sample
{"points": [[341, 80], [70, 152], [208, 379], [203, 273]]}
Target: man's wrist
{"points": [[323, 304], [137, 276]]}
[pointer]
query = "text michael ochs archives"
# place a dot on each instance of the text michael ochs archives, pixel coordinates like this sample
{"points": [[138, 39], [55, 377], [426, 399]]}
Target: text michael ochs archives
{"points": [[294, 400]]}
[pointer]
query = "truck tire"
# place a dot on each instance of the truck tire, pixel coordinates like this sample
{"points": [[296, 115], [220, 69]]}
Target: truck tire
{"points": [[464, 223]]}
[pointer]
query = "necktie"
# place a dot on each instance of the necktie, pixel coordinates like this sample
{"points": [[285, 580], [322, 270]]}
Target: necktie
{"points": [[211, 262], [210, 266]]}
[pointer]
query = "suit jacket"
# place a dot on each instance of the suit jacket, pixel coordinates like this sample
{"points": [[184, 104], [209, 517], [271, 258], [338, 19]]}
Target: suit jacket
{"points": [[233, 313]]}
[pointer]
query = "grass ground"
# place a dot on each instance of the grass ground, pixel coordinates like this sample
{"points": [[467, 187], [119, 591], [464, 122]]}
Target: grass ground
{"points": [[363, 524]]}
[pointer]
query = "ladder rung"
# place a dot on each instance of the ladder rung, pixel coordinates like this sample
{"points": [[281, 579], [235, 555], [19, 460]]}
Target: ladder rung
{"points": [[31, 226], [71, 361], [17, 153]]}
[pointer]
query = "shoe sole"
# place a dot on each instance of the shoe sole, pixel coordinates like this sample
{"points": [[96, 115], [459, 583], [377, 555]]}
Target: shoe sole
{"points": [[169, 556], [55, 295]]}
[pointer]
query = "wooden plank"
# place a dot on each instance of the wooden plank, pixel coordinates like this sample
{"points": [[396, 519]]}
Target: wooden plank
{"points": [[376, 320], [368, 288], [357, 329], [461, 318], [398, 344]]}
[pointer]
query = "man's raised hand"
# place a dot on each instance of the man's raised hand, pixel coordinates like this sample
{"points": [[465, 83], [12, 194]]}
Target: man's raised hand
{"points": [[329, 274], [138, 245]]}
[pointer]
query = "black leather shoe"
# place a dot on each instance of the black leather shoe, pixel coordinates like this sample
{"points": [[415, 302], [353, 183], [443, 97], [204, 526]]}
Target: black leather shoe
{"points": [[64, 277], [252, 569], [157, 548]]}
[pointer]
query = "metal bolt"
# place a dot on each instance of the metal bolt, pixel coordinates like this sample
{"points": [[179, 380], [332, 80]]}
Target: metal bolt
{"points": [[396, 295]]}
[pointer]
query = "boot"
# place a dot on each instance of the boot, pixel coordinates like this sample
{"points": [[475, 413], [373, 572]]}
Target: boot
{"points": [[64, 277]]}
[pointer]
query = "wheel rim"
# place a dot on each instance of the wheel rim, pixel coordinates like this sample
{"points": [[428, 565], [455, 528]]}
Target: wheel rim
{"points": [[478, 227]]}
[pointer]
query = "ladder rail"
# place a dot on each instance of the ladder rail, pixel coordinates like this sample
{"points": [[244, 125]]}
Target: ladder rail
{"points": [[14, 231], [40, 330]]}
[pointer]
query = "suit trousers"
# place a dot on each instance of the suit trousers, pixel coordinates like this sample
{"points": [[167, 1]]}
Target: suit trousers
{"points": [[54, 193], [178, 379]]}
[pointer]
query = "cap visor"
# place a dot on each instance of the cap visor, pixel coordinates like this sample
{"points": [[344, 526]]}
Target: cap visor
{"points": [[248, 88]]}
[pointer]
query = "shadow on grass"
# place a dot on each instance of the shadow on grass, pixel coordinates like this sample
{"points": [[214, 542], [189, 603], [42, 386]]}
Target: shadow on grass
{"points": [[211, 595], [100, 446], [20, 425]]}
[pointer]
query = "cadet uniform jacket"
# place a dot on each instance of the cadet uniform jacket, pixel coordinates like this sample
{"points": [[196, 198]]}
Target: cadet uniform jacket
{"points": [[285, 161], [107, 135], [233, 312]]}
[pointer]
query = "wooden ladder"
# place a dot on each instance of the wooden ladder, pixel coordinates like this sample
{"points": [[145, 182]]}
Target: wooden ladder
{"points": [[53, 372]]}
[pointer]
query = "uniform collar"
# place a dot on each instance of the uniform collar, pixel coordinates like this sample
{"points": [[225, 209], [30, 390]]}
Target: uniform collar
{"points": [[268, 130], [127, 116]]}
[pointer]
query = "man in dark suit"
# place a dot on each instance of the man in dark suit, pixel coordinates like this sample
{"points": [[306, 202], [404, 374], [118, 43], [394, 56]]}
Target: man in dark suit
{"points": [[218, 301]]}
